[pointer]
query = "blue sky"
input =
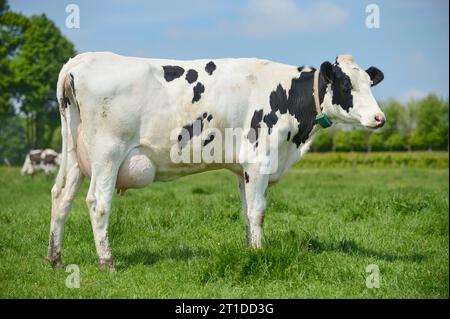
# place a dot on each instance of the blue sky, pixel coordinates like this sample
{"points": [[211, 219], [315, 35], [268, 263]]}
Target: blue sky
{"points": [[411, 46]]}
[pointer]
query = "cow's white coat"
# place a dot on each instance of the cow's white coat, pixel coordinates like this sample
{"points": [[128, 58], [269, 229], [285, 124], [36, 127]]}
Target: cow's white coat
{"points": [[116, 130]]}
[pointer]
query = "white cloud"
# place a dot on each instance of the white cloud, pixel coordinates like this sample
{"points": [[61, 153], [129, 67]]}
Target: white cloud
{"points": [[265, 18], [269, 18]]}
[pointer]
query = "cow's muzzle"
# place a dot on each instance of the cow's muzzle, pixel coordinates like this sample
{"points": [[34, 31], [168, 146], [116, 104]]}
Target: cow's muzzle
{"points": [[380, 119]]}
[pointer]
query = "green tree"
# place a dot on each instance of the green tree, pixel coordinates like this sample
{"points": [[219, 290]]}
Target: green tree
{"points": [[432, 122], [323, 142], [11, 36], [375, 142], [56, 142], [416, 141], [357, 140], [43, 52], [341, 141], [409, 123], [396, 120], [12, 137], [395, 142]]}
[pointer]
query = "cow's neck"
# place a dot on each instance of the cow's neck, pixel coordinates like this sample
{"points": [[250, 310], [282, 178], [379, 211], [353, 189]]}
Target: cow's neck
{"points": [[303, 104]]}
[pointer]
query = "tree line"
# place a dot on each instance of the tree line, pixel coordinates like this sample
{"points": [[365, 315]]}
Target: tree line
{"points": [[32, 51], [420, 124]]}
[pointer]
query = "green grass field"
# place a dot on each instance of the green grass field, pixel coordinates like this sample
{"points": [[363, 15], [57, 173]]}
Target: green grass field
{"points": [[186, 239]]}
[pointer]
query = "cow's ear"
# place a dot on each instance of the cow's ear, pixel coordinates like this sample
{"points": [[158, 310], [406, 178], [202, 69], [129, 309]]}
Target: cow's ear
{"points": [[326, 69], [376, 76]]}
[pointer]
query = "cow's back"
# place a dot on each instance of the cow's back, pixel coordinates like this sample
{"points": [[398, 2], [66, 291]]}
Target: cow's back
{"points": [[226, 88], [142, 101]]}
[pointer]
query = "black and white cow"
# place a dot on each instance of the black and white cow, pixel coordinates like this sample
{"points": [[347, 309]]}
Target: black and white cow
{"points": [[124, 120], [40, 160]]}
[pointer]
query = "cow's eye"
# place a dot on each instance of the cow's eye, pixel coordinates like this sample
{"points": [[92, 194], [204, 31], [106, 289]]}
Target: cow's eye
{"points": [[347, 86]]}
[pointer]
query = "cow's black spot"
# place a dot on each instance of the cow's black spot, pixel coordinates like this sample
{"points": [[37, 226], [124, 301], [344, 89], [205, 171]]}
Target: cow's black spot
{"points": [[301, 68], [50, 159], [198, 90], [193, 129], [342, 88], [204, 115], [288, 136], [278, 100], [210, 67], [191, 76], [255, 124], [304, 68], [72, 83], [35, 158], [209, 118], [209, 139], [247, 178], [171, 72], [65, 100], [270, 119], [299, 104]]}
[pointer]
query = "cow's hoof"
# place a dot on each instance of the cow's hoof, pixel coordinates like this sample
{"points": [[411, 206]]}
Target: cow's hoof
{"points": [[255, 245], [107, 264], [54, 262]]}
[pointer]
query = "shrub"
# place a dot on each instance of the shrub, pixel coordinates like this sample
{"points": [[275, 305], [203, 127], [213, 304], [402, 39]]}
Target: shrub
{"points": [[376, 159]]}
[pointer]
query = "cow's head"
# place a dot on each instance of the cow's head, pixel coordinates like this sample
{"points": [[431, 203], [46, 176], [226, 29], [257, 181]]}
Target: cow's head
{"points": [[348, 97]]}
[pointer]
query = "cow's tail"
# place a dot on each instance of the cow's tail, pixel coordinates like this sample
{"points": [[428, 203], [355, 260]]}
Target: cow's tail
{"points": [[70, 119]]}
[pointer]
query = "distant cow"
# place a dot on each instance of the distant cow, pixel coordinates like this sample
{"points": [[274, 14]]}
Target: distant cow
{"points": [[124, 119], [40, 160]]}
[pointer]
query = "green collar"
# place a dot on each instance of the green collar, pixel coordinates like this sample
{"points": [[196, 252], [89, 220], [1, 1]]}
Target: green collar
{"points": [[323, 120]]}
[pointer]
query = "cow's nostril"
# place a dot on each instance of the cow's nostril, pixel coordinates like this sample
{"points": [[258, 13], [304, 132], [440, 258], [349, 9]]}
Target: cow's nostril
{"points": [[380, 119]]}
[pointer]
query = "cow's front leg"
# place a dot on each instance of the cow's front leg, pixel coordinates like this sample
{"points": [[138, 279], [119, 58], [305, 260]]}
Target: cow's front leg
{"points": [[241, 186], [255, 193]]}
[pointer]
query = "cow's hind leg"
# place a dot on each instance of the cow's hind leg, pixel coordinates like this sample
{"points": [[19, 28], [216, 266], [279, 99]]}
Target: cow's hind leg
{"points": [[62, 198], [101, 190]]}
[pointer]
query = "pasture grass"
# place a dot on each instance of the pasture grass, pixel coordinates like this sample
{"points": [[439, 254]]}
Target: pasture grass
{"points": [[186, 239]]}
